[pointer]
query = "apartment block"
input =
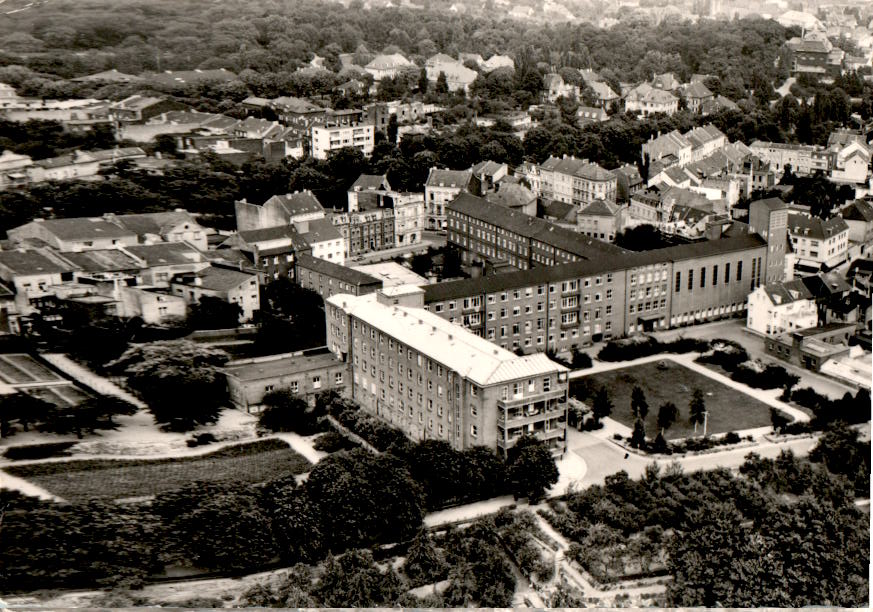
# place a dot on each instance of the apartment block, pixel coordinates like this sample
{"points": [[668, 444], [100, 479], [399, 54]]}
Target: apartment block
{"points": [[327, 278], [326, 139], [436, 380], [571, 180], [570, 305]]}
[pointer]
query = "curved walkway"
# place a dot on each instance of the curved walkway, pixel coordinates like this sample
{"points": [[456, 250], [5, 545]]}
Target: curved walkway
{"points": [[83, 375]]}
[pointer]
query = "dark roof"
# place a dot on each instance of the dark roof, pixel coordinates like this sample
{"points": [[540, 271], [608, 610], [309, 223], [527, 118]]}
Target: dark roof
{"points": [[825, 285], [297, 203], [859, 210], [449, 178], [84, 228], [154, 223], [369, 181], [216, 278], [813, 227], [771, 203], [166, 253], [6, 292], [103, 260], [438, 292], [558, 209], [530, 227], [328, 268], [31, 262], [318, 230], [271, 233]]}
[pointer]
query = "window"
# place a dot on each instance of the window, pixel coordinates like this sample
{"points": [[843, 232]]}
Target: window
{"points": [[338, 378], [293, 386], [516, 389], [547, 384], [316, 382], [473, 412], [690, 280], [714, 275], [474, 431], [504, 393], [702, 277], [727, 273], [678, 281], [531, 385], [739, 270]]}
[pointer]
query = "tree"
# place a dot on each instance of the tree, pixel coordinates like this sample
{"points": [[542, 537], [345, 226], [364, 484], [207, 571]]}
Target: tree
{"points": [[667, 415], [842, 452], [639, 405], [353, 580], [422, 82], [285, 411], [778, 419], [424, 564], [23, 409], [659, 445], [638, 437], [179, 380], [531, 469], [214, 313], [90, 415], [392, 128], [696, 409], [442, 85], [601, 406]]}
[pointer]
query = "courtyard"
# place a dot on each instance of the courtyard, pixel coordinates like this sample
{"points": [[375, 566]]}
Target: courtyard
{"points": [[667, 381]]}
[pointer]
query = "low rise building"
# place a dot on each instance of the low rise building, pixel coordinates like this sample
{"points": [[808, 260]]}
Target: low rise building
{"points": [[803, 159], [304, 374], [273, 251], [365, 231], [818, 243], [327, 278], [571, 180], [231, 285], [859, 217], [647, 100], [435, 380], [440, 188], [75, 234], [324, 240], [601, 220], [777, 308], [278, 210], [811, 348]]}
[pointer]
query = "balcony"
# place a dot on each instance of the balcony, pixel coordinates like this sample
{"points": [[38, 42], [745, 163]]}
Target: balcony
{"points": [[550, 436], [516, 402], [520, 419]]}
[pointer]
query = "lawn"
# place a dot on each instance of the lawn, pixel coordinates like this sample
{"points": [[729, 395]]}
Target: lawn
{"points": [[667, 381], [118, 479]]}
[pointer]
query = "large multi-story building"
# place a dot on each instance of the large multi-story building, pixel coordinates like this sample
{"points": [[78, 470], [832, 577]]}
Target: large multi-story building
{"points": [[769, 218], [803, 159], [372, 192], [328, 138], [327, 278], [818, 243], [436, 380], [366, 230], [571, 180], [485, 231], [565, 306]]}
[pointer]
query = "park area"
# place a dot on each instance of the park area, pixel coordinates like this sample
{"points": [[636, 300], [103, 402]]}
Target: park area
{"points": [[667, 381], [112, 479]]}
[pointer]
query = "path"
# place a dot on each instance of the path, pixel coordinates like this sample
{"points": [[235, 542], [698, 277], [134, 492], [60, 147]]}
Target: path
{"points": [[13, 483], [83, 375], [784, 89]]}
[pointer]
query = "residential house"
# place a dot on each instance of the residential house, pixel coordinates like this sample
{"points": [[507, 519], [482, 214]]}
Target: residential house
{"points": [[32, 273], [152, 306], [368, 184], [812, 348], [859, 217], [603, 94], [814, 55], [253, 127], [164, 260], [647, 100], [304, 375], [670, 149], [325, 240], [628, 181], [226, 283], [174, 226], [555, 87], [851, 163], [569, 179], [803, 159], [777, 308], [365, 230], [387, 66], [487, 174], [590, 114], [273, 251], [327, 278], [278, 210], [514, 196], [297, 112], [705, 141], [440, 188], [818, 243], [458, 77], [697, 96], [601, 220], [666, 82], [560, 213], [503, 395], [498, 61], [76, 234]]}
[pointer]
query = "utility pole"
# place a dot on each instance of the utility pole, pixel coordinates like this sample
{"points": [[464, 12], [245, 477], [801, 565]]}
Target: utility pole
{"points": [[705, 418]]}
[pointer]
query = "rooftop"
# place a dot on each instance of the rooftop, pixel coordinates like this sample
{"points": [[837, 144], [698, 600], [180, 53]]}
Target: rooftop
{"points": [[103, 260], [297, 203], [474, 358], [221, 279], [318, 230], [154, 223], [31, 262], [82, 228], [391, 273], [281, 366], [343, 273], [369, 182], [448, 178], [577, 167], [166, 253], [813, 227]]}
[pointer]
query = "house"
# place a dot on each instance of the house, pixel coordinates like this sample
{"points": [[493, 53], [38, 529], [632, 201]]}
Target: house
{"points": [[253, 127], [175, 226], [325, 240], [628, 181], [498, 61], [304, 374], [164, 260], [326, 139], [32, 273], [354, 87], [487, 175], [697, 96], [368, 184], [365, 230], [780, 307], [387, 66], [273, 251], [327, 278], [139, 108], [705, 140], [803, 159], [859, 217], [590, 114], [669, 149], [601, 220], [647, 100], [560, 213], [603, 94], [76, 234], [818, 243], [514, 196], [297, 112], [666, 82], [458, 76], [278, 210], [569, 179], [440, 188], [555, 87], [851, 162], [226, 283], [811, 348], [814, 55]]}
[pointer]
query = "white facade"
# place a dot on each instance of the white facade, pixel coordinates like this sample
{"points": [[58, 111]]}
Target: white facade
{"points": [[772, 315], [408, 218], [332, 250], [332, 138], [851, 164]]}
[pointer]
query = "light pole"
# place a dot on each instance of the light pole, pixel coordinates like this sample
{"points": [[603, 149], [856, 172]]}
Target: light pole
{"points": [[705, 418]]}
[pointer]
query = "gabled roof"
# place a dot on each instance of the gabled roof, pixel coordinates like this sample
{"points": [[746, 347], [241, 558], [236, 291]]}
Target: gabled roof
{"points": [[343, 273], [602, 91], [154, 223], [787, 292], [137, 102], [562, 211], [103, 260], [318, 230], [666, 81], [166, 253], [440, 58], [221, 279], [473, 357], [577, 167], [254, 238], [825, 285], [449, 178], [256, 101], [387, 62], [511, 195], [498, 61], [297, 203], [296, 105], [859, 210], [600, 208], [84, 228], [31, 262], [369, 182], [487, 168], [813, 227], [646, 93], [697, 90]]}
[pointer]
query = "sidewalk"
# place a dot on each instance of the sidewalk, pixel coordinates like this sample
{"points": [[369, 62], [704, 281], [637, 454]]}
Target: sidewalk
{"points": [[83, 375]]}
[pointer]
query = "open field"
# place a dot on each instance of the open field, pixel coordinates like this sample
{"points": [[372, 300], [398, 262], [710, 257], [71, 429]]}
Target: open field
{"points": [[667, 381], [110, 479]]}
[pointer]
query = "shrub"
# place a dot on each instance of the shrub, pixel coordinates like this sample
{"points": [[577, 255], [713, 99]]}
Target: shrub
{"points": [[625, 349], [39, 451], [201, 439], [333, 442], [731, 437]]}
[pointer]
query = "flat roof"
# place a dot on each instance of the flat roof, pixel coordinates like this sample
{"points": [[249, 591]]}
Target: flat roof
{"points": [[391, 273], [282, 366]]}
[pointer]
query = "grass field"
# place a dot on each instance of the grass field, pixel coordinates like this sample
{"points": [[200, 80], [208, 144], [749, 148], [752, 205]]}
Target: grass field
{"points": [[118, 479], [729, 410]]}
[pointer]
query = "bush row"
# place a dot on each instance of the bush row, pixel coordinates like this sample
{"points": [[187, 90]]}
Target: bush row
{"points": [[626, 349]]}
